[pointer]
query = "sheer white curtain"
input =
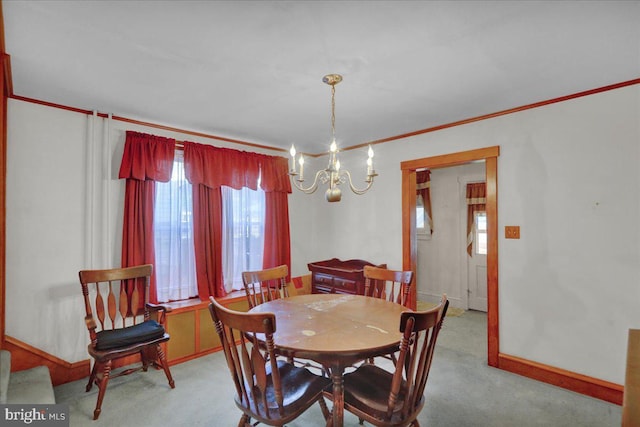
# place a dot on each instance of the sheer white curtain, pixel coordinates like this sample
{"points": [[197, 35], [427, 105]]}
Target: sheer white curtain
{"points": [[173, 233], [242, 234]]}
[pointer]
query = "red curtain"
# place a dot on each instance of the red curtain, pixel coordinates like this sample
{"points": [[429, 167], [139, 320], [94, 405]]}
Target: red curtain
{"points": [[423, 188], [207, 168], [276, 231], [207, 229], [146, 159], [476, 202], [276, 184]]}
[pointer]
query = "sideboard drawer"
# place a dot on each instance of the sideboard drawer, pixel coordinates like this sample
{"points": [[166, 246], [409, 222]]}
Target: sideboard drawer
{"points": [[344, 285], [323, 279], [323, 289], [336, 276]]}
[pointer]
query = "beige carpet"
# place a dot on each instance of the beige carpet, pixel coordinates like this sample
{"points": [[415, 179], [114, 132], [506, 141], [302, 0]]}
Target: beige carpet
{"points": [[462, 391], [451, 311]]}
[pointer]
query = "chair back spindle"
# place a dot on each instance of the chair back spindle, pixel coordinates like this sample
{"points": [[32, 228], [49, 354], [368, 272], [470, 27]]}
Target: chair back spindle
{"points": [[392, 285], [116, 298], [265, 285]]}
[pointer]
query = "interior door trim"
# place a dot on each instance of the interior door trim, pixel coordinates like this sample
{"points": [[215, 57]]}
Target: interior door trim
{"points": [[409, 237]]}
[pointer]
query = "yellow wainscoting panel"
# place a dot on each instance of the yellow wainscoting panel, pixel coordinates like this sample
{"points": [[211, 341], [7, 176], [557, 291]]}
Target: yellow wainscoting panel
{"points": [[208, 336], [191, 328], [182, 328], [240, 305]]}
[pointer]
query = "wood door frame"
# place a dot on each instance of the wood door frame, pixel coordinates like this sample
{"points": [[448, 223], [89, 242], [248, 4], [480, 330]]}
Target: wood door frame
{"points": [[6, 89], [409, 236]]}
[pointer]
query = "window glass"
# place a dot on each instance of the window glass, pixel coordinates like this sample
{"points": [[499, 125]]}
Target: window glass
{"points": [[173, 237], [420, 214], [481, 233], [242, 234], [243, 216]]}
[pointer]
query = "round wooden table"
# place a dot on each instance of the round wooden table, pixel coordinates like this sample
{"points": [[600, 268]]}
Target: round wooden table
{"points": [[336, 331]]}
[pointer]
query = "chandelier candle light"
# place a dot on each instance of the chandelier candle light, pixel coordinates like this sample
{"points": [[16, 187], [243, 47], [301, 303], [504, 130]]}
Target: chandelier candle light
{"points": [[332, 174]]}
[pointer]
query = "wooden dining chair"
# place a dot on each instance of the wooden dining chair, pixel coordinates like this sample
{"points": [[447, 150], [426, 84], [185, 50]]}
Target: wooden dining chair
{"points": [[270, 390], [392, 285], [265, 285], [269, 284], [119, 320], [384, 398]]}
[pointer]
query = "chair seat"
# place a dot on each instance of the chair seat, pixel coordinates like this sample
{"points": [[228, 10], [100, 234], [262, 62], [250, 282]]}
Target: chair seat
{"points": [[367, 388], [142, 332], [298, 385]]}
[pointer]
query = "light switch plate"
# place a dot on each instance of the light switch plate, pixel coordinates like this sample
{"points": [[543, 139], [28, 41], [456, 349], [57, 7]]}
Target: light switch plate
{"points": [[512, 232]]}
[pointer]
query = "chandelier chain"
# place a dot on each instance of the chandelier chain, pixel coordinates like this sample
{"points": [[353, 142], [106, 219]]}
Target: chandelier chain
{"points": [[333, 112]]}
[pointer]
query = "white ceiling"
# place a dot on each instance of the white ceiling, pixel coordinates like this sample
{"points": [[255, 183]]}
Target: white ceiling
{"points": [[253, 70]]}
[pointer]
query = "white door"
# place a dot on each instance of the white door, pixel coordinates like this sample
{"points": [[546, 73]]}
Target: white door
{"points": [[477, 265]]}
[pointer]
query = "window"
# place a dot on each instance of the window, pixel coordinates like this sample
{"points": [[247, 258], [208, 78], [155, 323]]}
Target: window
{"points": [[242, 234], [420, 214], [173, 237], [481, 233], [423, 222], [243, 219]]}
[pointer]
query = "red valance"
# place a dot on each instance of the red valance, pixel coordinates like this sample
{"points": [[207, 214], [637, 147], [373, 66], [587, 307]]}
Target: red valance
{"points": [[275, 174], [215, 166], [147, 157]]}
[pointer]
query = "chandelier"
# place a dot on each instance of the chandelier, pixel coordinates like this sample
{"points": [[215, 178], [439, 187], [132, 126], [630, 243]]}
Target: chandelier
{"points": [[332, 175]]}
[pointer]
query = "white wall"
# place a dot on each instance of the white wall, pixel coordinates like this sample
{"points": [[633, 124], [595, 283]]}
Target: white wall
{"points": [[368, 226], [64, 214], [568, 174], [45, 220]]}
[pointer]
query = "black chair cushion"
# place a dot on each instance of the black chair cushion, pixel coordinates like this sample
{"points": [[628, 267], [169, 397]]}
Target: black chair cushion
{"points": [[145, 331]]}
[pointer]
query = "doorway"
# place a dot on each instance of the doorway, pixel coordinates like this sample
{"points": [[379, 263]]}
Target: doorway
{"points": [[477, 266], [409, 237], [451, 246]]}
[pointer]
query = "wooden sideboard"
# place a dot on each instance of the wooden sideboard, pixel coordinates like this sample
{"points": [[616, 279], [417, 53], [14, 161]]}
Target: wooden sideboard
{"points": [[339, 277]]}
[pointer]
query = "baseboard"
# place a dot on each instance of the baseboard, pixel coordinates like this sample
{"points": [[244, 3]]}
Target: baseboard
{"points": [[435, 298], [194, 356], [578, 383], [25, 356]]}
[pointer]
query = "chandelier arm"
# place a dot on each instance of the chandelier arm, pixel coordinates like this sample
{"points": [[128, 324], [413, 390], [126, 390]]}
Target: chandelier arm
{"points": [[313, 187], [356, 190]]}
